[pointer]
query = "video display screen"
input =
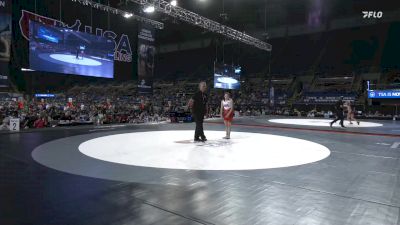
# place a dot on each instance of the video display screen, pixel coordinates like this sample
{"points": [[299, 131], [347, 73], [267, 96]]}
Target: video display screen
{"points": [[5, 47], [227, 76], [61, 50]]}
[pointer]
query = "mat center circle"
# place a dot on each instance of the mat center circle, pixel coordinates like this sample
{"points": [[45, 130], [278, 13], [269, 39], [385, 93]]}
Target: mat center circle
{"points": [[323, 123], [72, 59], [176, 150]]}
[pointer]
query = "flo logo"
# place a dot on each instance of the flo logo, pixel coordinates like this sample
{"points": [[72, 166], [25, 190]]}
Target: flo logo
{"points": [[372, 14]]}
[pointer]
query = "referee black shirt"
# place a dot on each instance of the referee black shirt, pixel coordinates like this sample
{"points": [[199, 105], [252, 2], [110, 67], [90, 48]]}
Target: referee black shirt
{"points": [[200, 103]]}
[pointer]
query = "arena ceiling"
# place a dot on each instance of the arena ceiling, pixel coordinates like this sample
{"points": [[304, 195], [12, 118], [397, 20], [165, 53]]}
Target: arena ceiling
{"points": [[256, 15]]}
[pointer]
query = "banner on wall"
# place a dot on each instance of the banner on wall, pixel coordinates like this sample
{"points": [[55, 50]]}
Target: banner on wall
{"points": [[77, 17], [272, 96], [383, 94], [146, 53], [5, 41]]}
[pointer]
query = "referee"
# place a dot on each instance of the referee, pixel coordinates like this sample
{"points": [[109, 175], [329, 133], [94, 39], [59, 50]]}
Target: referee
{"points": [[339, 112], [199, 109]]}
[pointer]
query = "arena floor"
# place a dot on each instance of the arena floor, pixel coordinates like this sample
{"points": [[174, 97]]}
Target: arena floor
{"points": [[272, 171]]}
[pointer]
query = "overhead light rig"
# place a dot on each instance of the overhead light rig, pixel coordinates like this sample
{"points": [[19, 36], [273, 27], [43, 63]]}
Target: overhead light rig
{"points": [[200, 21], [123, 13]]}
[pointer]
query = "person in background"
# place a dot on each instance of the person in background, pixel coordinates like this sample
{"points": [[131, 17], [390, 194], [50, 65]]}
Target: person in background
{"points": [[40, 123], [198, 103], [350, 112], [227, 113], [77, 52], [5, 123], [339, 112]]}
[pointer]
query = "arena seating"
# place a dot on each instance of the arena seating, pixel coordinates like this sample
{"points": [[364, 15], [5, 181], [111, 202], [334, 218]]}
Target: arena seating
{"points": [[327, 97]]}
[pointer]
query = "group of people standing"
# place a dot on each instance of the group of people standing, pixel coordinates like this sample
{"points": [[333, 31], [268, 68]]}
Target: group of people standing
{"points": [[342, 106], [198, 103]]}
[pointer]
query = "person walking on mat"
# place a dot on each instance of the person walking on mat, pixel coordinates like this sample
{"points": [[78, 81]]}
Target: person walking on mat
{"points": [[339, 112]]}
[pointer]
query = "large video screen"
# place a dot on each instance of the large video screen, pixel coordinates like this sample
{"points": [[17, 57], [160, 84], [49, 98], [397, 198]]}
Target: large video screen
{"points": [[5, 47], [227, 76], [61, 50]]}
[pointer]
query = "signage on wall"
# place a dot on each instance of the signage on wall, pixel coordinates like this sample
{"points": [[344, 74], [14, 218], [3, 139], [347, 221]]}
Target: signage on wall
{"points": [[384, 94]]}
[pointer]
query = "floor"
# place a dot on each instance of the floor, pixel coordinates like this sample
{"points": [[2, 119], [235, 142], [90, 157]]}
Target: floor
{"points": [[47, 178]]}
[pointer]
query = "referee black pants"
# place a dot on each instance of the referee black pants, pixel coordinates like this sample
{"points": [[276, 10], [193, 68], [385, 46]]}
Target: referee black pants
{"points": [[199, 132], [339, 116]]}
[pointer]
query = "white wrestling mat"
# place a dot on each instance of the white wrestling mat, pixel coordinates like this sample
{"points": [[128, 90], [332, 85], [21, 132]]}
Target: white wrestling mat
{"points": [[72, 59], [323, 123], [177, 150]]}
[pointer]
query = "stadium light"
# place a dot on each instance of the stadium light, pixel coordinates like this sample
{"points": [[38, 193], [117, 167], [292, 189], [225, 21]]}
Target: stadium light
{"points": [[128, 15], [123, 13], [26, 70], [174, 2], [149, 9]]}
